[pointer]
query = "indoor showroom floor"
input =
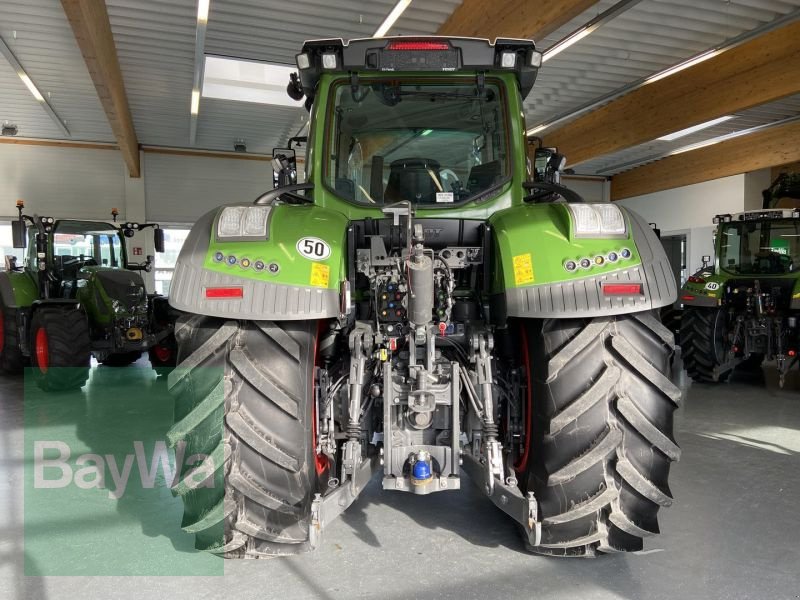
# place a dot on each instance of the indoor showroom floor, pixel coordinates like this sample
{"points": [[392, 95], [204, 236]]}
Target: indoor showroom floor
{"points": [[733, 531]]}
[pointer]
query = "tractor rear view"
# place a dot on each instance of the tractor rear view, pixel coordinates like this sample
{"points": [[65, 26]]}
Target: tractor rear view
{"points": [[77, 296], [746, 309], [430, 302]]}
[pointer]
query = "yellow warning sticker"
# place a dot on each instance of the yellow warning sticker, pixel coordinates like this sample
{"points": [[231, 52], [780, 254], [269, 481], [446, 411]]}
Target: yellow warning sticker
{"points": [[795, 296], [523, 269], [320, 275]]}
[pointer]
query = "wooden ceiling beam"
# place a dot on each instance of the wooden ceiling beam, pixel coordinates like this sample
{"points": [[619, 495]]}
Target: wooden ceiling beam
{"points": [[762, 70], [512, 18], [760, 150], [92, 29]]}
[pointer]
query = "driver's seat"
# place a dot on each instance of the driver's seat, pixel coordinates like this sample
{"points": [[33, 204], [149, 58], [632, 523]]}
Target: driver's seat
{"points": [[413, 179]]}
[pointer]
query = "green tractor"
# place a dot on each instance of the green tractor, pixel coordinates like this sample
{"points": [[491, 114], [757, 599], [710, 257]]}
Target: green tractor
{"points": [[77, 296], [745, 308], [431, 298]]}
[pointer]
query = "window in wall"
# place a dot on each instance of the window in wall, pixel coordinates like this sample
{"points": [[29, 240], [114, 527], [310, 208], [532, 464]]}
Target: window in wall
{"points": [[165, 262], [7, 246]]}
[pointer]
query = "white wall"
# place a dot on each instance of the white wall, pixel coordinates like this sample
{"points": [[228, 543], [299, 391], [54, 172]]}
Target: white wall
{"points": [[61, 182], [592, 190], [180, 188], [690, 210], [755, 183]]}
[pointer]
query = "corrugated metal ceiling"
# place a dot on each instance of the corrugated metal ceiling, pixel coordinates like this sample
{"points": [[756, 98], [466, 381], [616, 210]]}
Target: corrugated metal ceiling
{"points": [[41, 38]]}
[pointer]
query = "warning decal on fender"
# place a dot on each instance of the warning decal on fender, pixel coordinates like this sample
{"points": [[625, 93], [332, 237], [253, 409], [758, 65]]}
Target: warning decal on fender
{"points": [[523, 269], [320, 275]]}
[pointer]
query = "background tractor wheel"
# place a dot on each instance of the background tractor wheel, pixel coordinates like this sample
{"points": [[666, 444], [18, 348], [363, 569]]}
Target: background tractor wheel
{"points": [[258, 378], [61, 349], [602, 441], [11, 360], [122, 359], [703, 343]]}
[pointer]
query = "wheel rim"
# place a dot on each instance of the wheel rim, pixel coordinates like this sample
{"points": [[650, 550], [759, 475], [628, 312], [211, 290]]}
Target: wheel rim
{"points": [[163, 354], [42, 350], [522, 463]]}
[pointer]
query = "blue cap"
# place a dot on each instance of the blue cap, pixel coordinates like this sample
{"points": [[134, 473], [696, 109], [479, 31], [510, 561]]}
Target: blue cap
{"points": [[422, 470]]}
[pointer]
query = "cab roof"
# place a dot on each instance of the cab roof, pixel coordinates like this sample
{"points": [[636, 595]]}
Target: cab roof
{"points": [[418, 54]]}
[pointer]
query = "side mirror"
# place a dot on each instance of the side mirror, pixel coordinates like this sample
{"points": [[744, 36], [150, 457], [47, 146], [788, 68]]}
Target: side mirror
{"points": [[158, 239], [284, 167], [706, 259], [18, 234]]}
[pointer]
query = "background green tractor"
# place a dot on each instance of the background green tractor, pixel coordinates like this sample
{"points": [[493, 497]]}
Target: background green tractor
{"points": [[429, 299], [745, 308], [77, 296]]}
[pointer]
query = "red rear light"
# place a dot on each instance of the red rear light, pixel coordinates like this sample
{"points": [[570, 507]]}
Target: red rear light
{"points": [[224, 292], [622, 289], [398, 45], [792, 353], [695, 279], [687, 297]]}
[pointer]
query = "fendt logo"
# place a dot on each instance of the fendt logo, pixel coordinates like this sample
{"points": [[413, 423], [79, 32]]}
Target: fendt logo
{"points": [[88, 471]]}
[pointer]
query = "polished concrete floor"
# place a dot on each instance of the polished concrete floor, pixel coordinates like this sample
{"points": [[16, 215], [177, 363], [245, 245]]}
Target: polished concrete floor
{"points": [[733, 532]]}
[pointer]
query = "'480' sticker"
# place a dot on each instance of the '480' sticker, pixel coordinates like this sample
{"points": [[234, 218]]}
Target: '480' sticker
{"points": [[313, 248], [712, 286]]}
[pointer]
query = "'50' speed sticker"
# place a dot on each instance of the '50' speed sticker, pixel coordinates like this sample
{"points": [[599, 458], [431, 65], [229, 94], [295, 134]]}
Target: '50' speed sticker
{"points": [[313, 248]]}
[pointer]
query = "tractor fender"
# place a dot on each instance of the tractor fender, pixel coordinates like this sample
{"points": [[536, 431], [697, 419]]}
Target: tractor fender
{"points": [[17, 289], [292, 274], [533, 251]]}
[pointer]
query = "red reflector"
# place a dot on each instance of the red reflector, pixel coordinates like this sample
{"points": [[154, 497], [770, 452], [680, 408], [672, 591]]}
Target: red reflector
{"points": [[622, 289], [694, 279], [418, 46], [792, 353], [224, 292], [687, 297]]}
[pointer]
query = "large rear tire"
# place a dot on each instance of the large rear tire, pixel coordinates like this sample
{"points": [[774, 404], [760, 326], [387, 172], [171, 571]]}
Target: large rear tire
{"points": [[11, 360], [602, 441], [61, 348], [244, 396], [703, 343]]}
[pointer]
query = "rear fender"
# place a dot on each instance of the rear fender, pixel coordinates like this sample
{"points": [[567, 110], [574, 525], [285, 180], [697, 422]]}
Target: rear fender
{"points": [[533, 245], [17, 289], [293, 274]]}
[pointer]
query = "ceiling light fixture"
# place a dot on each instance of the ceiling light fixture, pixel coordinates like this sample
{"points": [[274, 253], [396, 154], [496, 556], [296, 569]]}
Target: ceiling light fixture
{"points": [[30, 85], [23, 75], [195, 108], [203, 7], [568, 41], [538, 128], [684, 65], [589, 28], [695, 128], [390, 20]]}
